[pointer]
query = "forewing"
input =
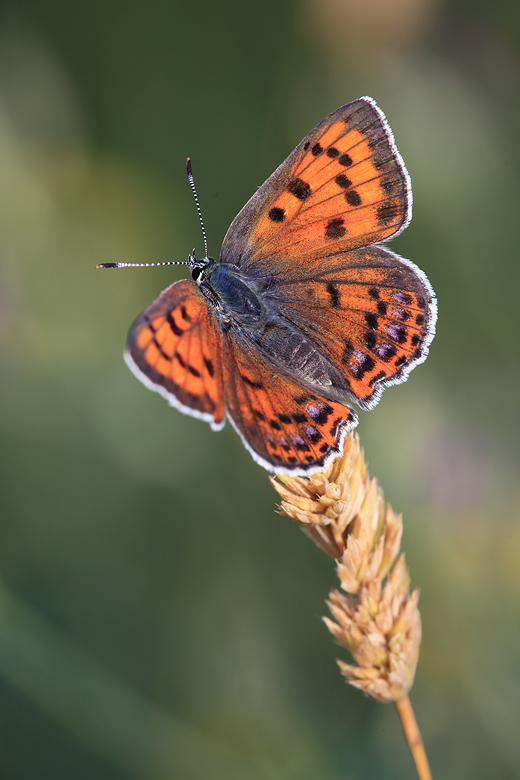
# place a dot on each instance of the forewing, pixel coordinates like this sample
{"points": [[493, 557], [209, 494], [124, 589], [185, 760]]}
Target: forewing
{"points": [[175, 348], [287, 427], [370, 312], [344, 186]]}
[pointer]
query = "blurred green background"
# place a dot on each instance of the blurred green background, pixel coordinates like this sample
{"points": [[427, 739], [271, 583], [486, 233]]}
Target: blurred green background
{"points": [[157, 619]]}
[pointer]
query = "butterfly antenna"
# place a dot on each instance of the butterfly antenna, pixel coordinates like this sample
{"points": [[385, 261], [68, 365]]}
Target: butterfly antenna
{"points": [[141, 265], [192, 185]]}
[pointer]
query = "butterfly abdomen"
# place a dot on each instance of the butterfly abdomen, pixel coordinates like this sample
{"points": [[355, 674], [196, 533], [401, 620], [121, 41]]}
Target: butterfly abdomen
{"points": [[296, 353]]}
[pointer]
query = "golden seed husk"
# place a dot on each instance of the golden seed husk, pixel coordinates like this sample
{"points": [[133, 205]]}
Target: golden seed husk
{"points": [[376, 617]]}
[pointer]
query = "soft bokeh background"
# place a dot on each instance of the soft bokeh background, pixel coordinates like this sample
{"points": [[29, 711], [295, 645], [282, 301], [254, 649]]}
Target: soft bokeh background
{"points": [[157, 619]]}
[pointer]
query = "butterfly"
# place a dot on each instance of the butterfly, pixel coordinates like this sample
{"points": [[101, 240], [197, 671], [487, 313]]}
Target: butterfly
{"points": [[306, 310]]}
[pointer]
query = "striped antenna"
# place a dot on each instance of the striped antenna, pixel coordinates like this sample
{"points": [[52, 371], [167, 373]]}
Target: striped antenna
{"points": [[141, 265], [192, 185]]}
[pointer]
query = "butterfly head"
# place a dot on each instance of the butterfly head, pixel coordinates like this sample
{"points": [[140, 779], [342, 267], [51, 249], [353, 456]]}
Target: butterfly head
{"points": [[199, 266]]}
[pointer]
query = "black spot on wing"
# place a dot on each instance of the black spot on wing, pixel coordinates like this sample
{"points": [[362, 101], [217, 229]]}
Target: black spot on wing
{"points": [[353, 198], [210, 367], [386, 352], [173, 325], [371, 320], [300, 189], [161, 350], [343, 181], [370, 339], [322, 415], [400, 334], [377, 378], [251, 383], [335, 228], [366, 365], [276, 214], [333, 293]]}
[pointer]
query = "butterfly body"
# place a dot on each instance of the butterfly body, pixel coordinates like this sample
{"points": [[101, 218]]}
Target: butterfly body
{"points": [[306, 310], [234, 298]]}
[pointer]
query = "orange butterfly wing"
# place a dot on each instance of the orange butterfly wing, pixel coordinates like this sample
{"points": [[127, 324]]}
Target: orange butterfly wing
{"points": [[371, 313], [344, 186], [175, 348], [286, 426]]}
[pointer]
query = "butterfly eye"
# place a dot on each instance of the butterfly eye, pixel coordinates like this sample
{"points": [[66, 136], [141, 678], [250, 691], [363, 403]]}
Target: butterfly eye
{"points": [[199, 265]]}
